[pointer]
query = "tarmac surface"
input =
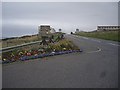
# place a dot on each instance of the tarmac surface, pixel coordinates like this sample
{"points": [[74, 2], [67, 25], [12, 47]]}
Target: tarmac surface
{"points": [[95, 67]]}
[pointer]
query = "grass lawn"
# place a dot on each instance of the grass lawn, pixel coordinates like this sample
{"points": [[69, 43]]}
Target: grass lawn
{"points": [[18, 41], [108, 35], [21, 40]]}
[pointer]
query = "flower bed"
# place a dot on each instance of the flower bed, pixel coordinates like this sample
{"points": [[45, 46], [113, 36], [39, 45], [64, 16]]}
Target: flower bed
{"points": [[38, 51], [48, 54], [24, 58]]}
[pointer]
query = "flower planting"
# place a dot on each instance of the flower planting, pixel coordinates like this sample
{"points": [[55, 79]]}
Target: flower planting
{"points": [[30, 52]]}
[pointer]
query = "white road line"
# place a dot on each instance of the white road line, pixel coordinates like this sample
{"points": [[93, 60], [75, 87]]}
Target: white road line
{"points": [[81, 37], [95, 51], [113, 44], [85, 38], [98, 41], [95, 40], [98, 49], [89, 39], [0, 61]]}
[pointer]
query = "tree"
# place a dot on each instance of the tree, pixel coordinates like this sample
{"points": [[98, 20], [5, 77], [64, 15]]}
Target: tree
{"points": [[71, 32], [60, 30]]}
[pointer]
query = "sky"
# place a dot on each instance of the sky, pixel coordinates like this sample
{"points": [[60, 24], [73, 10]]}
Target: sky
{"points": [[60, 0], [20, 18], [0, 20]]}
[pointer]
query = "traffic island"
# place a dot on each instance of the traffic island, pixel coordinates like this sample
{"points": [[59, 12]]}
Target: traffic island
{"points": [[31, 52]]}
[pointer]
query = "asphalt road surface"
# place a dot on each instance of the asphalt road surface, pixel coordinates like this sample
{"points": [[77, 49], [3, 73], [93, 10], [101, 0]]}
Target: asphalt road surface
{"points": [[95, 67]]}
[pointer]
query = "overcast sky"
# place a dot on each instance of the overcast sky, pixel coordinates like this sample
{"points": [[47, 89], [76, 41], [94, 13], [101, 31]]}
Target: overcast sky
{"points": [[65, 15], [60, 0]]}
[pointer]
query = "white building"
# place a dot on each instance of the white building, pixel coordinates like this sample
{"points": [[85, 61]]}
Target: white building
{"points": [[45, 30], [107, 28]]}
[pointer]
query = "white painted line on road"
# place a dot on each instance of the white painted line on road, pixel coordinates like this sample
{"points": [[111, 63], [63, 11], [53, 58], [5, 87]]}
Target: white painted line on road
{"points": [[76, 36], [95, 40], [113, 44], [81, 37], [95, 51], [85, 38], [0, 61], [89, 39]]}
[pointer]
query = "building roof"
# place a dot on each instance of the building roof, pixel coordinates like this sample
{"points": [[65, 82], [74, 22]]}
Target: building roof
{"points": [[44, 25], [108, 25]]}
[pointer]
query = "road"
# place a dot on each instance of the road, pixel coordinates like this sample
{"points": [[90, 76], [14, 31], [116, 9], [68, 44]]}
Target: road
{"points": [[95, 67]]}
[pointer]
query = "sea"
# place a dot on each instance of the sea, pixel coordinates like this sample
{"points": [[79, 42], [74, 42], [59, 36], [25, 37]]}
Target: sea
{"points": [[9, 31]]}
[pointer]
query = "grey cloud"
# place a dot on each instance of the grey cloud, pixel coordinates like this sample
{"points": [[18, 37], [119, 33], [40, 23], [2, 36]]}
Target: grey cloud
{"points": [[66, 15]]}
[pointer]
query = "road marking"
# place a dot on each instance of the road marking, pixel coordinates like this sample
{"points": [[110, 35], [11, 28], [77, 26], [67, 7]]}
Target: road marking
{"points": [[95, 40], [0, 61], [89, 39], [85, 38], [95, 51], [113, 44]]}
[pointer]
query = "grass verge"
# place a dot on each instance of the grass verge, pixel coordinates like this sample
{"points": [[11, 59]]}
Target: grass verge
{"points": [[18, 40], [107, 35]]}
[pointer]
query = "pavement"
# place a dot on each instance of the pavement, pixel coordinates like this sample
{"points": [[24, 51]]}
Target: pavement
{"points": [[95, 67]]}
